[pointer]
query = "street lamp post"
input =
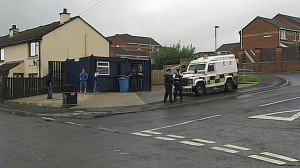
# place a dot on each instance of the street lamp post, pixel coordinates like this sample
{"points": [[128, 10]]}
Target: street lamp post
{"points": [[216, 27]]}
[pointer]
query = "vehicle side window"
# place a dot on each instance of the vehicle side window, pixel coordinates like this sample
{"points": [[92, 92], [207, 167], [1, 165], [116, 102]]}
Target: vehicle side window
{"points": [[211, 68]]}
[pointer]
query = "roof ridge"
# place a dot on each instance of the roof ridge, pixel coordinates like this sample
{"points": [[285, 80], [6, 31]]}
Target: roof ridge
{"points": [[288, 16], [72, 18]]}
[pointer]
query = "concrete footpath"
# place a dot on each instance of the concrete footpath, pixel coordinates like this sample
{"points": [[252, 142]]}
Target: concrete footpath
{"points": [[113, 103]]}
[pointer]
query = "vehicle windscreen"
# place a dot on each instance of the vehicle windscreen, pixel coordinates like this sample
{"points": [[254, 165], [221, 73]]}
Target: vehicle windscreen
{"points": [[199, 67]]}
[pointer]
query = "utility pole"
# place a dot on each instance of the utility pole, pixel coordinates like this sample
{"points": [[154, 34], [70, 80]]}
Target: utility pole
{"points": [[216, 27]]}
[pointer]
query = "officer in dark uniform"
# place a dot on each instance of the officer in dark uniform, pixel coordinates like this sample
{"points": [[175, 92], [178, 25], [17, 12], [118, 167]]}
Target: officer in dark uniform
{"points": [[177, 78], [168, 86]]}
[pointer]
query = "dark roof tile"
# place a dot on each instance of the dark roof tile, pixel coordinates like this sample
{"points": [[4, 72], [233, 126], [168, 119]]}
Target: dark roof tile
{"points": [[122, 52], [136, 39], [280, 24], [4, 68], [227, 47]]}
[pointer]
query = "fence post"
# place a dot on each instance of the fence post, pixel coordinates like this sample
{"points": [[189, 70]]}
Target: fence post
{"points": [[2, 91], [279, 59]]}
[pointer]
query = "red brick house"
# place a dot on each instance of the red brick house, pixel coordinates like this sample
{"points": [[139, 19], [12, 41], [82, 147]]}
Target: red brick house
{"points": [[262, 32], [269, 45], [134, 43]]}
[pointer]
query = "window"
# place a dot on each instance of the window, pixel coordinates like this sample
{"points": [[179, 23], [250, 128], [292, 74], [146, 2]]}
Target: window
{"points": [[282, 34], [295, 36], [298, 37], [199, 67], [2, 54], [103, 68], [33, 75], [18, 75], [211, 68], [34, 49]]}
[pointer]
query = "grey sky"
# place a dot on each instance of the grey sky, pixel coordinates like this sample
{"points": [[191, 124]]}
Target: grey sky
{"points": [[167, 21]]}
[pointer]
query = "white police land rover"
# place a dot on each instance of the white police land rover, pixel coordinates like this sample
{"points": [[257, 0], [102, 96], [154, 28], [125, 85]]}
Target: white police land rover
{"points": [[211, 73]]}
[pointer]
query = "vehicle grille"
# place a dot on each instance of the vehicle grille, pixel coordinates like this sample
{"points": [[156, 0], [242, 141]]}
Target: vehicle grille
{"points": [[185, 81]]}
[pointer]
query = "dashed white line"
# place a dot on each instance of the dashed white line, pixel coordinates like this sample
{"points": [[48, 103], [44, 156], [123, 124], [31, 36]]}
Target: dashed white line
{"points": [[191, 143], [224, 150], [141, 134], [80, 124], [71, 123], [281, 101], [267, 159], [152, 132], [48, 119], [175, 136], [237, 147], [165, 138], [204, 141], [280, 157]]}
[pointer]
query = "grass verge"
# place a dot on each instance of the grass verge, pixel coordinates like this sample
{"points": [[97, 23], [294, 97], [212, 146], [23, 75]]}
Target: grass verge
{"points": [[248, 78]]}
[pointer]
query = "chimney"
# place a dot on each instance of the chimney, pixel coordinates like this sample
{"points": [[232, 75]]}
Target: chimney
{"points": [[64, 16], [13, 30]]}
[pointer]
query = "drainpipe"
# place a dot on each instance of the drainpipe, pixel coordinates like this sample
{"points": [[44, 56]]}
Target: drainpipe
{"points": [[40, 42]]}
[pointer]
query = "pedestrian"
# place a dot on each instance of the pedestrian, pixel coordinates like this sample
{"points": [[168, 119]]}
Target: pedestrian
{"points": [[177, 79], [96, 80], [140, 76], [83, 77], [133, 80], [168, 86], [49, 84]]}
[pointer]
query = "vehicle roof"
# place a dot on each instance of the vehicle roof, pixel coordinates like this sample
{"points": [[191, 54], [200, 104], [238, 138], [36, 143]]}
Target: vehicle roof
{"points": [[213, 58]]}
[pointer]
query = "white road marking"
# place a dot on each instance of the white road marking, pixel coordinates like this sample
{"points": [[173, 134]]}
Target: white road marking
{"points": [[270, 117], [187, 122], [175, 136], [204, 141], [152, 132], [48, 119], [267, 159], [165, 138], [107, 129], [279, 156], [191, 143], [80, 124], [224, 150], [141, 134], [281, 101], [71, 123], [237, 147]]}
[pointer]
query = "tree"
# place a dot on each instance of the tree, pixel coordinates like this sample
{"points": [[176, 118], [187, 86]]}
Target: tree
{"points": [[169, 55]]}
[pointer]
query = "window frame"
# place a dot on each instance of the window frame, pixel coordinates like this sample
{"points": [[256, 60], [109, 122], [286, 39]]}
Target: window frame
{"points": [[283, 35], [33, 75], [211, 65], [103, 67], [34, 49], [2, 55]]}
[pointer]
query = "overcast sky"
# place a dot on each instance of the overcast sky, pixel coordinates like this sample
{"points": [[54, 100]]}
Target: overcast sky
{"points": [[167, 21]]}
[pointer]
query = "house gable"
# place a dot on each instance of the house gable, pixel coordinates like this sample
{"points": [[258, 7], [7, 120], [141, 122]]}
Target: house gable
{"points": [[58, 41], [73, 40], [260, 33]]}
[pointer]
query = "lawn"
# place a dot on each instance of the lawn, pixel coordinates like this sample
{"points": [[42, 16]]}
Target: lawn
{"points": [[248, 78]]}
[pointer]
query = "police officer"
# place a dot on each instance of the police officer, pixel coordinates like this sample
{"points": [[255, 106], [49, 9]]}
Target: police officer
{"points": [[177, 78], [168, 86]]}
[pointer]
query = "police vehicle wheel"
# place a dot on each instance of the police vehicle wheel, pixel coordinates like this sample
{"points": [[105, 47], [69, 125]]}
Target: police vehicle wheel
{"points": [[200, 89], [229, 85]]}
